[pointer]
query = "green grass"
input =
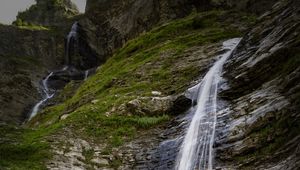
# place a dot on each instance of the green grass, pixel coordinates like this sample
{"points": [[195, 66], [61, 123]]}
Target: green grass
{"points": [[34, 27], [114, 129], [23, 149], [88, 155], [145, 64], [121, 74]]}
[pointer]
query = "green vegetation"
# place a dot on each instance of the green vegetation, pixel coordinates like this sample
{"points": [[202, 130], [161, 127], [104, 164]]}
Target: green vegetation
{"points": [[88, 155], [29, 26], [24, 149], [128, 75], [155, 61], [114, 129], [144, 64], [45, 13]]}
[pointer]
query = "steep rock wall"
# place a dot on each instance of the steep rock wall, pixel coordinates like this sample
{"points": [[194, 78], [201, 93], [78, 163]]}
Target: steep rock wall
{"points": [[47, 13], [110, 24], [261, 128], [26, 55]]}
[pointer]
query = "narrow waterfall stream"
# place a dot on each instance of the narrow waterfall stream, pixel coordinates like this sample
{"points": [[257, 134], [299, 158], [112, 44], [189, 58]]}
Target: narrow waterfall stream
{"points": [[86, 74], [47, 95], [71, 36], [196, 151]]}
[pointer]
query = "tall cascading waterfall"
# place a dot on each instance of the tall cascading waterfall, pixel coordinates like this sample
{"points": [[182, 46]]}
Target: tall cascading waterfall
{"points": [[196, 151], [47, 95], [71, 37], [86, 74]]}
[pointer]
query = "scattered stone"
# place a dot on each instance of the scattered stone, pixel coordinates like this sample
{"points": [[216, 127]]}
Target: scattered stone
{"points": [[156, 93], [95, 101], [65, 116], [100, 161]]}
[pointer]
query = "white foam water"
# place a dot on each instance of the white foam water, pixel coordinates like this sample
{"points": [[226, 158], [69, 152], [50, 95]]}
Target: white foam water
{"points": [[196, 151], [72, 35], [47, 93]]}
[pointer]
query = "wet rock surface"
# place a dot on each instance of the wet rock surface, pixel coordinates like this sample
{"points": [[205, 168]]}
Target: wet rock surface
{"points": [[260, 129]]}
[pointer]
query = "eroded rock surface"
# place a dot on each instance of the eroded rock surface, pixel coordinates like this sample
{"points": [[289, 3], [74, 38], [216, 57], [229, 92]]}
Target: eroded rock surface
{"points": [[261, 128], [26, 56]]}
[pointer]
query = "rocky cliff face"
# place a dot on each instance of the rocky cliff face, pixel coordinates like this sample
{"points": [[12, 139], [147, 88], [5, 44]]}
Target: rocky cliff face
{"points": [[110, 24], [130, 114], [26, 55], [31, 48], [47, 13], [261, 129]]}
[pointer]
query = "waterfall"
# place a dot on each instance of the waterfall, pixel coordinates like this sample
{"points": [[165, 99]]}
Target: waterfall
{"points": [[47, 93], [196, 151], [86, 74], [71, 36]]}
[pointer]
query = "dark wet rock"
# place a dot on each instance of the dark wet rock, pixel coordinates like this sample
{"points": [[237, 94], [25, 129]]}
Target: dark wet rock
{"points": [[261, 127], [181, 104], [81, 53], [154, 150], [253, 6]]}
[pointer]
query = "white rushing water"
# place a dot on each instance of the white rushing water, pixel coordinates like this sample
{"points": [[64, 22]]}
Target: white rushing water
{"points": [[196, 151], [72, 35], [47, 95], [86, 74]]}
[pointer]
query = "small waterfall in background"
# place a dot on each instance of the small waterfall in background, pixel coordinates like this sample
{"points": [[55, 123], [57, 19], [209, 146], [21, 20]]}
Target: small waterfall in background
{"points": [[70, 38], [86, 74], [196, 151], [47, 95]]}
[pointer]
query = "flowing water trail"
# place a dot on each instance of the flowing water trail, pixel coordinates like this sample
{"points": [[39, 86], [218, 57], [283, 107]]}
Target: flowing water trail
{"points": [[71, 36], [86, 74], [47, 93], [196, 151]]}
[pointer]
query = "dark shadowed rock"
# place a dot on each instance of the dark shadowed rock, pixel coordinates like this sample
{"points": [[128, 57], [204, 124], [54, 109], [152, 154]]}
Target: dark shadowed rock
{"points": [[181, 104], [25, 55], [261, 128]]}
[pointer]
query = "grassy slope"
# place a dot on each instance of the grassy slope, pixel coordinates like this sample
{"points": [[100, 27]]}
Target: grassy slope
{"points": [[138, 68]]}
